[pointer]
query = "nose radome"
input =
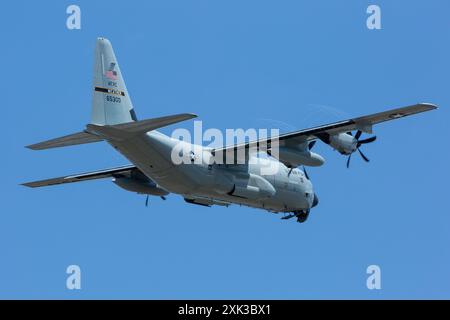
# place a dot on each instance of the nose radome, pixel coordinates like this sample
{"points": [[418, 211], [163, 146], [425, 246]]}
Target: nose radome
{"points": [[315, 200]]}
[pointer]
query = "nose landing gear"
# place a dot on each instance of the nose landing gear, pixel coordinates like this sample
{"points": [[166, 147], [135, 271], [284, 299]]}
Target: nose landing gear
{"points": [[301, 215]]}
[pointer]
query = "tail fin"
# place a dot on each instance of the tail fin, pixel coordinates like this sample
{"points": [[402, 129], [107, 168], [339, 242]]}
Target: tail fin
{"points": [[111, 103], [112, 112]]}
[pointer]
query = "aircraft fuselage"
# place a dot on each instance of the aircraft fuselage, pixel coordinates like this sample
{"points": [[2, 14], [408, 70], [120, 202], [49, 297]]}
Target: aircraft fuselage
{"points": [[285, 190]]}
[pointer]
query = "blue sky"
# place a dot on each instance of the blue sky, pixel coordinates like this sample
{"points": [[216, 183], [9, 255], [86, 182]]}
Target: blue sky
{"points": [[237, 64]]}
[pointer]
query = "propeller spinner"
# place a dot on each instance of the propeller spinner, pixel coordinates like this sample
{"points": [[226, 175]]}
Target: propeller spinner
{"points": [[359, 143]]}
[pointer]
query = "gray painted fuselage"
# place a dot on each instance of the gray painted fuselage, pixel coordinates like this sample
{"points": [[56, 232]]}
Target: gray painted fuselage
{"points": [[152, 153]]}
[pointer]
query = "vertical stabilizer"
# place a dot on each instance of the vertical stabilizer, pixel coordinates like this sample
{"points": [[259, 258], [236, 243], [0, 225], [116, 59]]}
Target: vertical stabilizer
{"points": [[111, 103]]}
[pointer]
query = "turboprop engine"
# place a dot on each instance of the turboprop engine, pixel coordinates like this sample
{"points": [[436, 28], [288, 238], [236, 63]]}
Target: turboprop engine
{"points": [[346, 143]]}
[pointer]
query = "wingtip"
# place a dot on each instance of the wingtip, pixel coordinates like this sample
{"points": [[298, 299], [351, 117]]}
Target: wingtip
{"points": [[36, 146], [430, 106], [31, 147], [26, 184], [189, 115]]}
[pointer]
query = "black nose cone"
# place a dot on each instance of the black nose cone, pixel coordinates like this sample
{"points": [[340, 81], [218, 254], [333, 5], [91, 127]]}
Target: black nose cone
{"points": [[315, 201]]}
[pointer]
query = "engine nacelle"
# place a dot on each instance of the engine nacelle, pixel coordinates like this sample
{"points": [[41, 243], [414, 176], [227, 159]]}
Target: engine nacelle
{"points": [[343, 142], [295, 157], [140, 186]]}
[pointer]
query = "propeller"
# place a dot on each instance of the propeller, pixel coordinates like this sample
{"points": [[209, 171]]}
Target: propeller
{"points": [[146, 201], [348, 161], [306, 173], [359, 144]]}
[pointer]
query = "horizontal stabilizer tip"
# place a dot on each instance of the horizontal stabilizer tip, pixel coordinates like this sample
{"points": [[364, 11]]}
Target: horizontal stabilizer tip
{"points": [[69, 140]]}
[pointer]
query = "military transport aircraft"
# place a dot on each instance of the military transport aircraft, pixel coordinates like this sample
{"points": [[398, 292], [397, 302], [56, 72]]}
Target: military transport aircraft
{"points": [[153, 172]]}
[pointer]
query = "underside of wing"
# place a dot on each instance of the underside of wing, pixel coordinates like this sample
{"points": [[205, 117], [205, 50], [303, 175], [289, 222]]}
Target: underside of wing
{"points": [[297, 138], [100, 174]]}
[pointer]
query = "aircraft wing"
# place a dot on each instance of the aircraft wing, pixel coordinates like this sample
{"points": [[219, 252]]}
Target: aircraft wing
{"points": [[100, 174], [363, 123]]}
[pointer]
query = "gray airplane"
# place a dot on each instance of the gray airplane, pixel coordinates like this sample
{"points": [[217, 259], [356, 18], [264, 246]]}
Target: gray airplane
{"points": [[207, 181]]}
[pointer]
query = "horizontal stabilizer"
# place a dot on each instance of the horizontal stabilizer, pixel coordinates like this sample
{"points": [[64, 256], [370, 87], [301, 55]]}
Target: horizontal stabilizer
{"points": [[100, 174], [125, 130], [154, 123], [97, 133], [69, 140]]}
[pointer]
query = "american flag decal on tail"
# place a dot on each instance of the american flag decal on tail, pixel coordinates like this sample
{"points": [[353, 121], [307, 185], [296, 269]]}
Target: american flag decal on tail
{"points": [[111, 73]]}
